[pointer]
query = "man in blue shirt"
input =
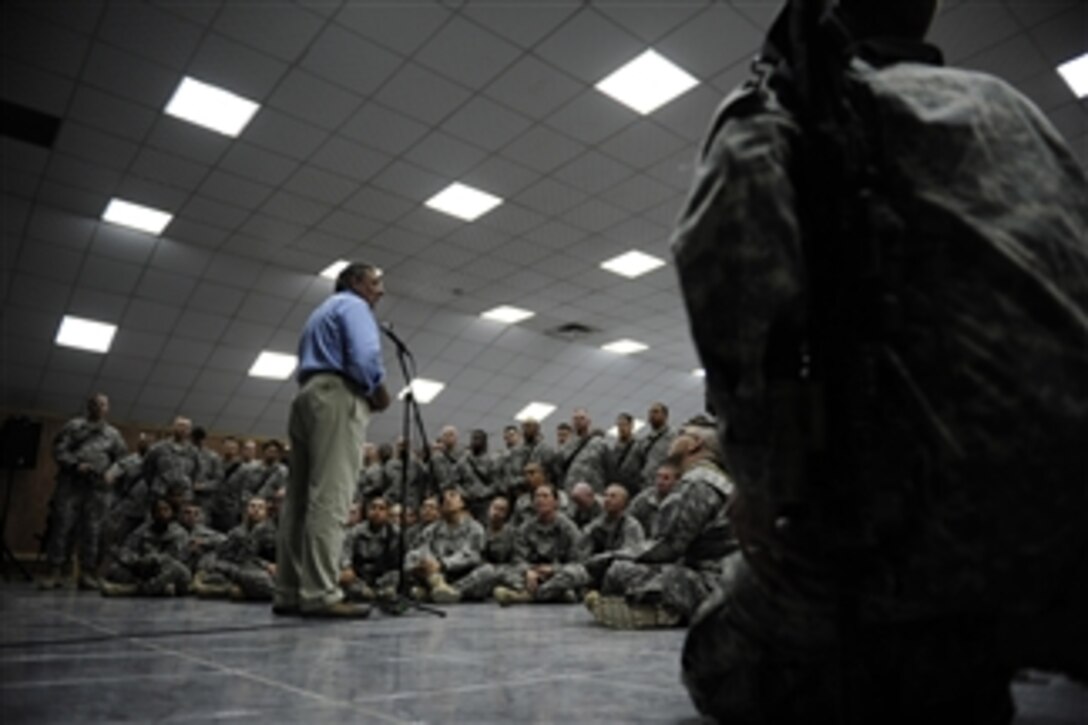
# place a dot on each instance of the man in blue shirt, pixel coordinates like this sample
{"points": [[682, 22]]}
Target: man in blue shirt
{"points": [[341, 379]]}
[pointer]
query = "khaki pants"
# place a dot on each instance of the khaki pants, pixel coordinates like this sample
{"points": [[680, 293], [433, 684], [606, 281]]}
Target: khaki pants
{"points": [[327, 426]]}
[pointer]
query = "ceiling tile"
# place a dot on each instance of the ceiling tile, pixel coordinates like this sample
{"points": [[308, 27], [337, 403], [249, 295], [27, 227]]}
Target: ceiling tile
{"points": [[486, 124], [347, 60], [292, 208], [533, 88], [349, 160], [278, 29], [42, 44], [111, 113], [41, 90], [409, 181], [421, 94], [263, 309], [150, 33], [257, 164], [593, 172], [111, 275], [504, 177], [377, 204], [194, 325], [550, 197], [466, 53], [87, 143], [123, 244], [589, 47], [383, 128], [349, 225], [542, 149], [170, 289], [643, 144], [964, 31], [313, 183], [401, 27], [184, 139], [233, 189], [713, 40], [278, 132], [444, 154], [168, 169], [209, 211], [136, 343], [310, 99], [174, 256], [592, 117], [129, 76], [236, 68], [71, 171], [186, 352]]}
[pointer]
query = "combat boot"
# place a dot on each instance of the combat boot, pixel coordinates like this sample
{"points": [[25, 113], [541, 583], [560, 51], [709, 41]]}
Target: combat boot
{"points": [[505, 596], [441, 591], [116, 589]]}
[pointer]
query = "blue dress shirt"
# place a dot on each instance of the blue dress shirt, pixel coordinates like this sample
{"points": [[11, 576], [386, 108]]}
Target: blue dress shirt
{"points": [[342, 336]]}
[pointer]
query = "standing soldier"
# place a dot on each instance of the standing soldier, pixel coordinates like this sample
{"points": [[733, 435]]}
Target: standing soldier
{"points": [[84, 450], [478, 474], [654, 446], [172, 465]]}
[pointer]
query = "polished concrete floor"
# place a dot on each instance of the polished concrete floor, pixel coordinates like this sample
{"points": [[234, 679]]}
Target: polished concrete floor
{"points": [[69, 656]]}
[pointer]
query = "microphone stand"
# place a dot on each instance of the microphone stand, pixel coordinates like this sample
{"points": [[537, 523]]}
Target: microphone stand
{"points": [[407, 363]]}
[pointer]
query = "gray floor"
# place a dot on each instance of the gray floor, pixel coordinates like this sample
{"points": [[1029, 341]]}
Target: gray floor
{"points": [[75, 657]]}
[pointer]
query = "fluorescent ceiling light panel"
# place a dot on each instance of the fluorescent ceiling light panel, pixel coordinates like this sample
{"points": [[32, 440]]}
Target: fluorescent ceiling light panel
{"points": [[699, 372], [1075, 73], [211, 107], [273, 365], [423, 390], [637, 425], [508, 315], [536, 411], [463, 202], [136, 216], [83, 334], [632, 264], [333, 270], [625, 347], [647, 83]]}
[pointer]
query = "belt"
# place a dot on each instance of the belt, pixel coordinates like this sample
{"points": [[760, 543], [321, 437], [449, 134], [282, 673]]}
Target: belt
{"points": [[352, 384]]}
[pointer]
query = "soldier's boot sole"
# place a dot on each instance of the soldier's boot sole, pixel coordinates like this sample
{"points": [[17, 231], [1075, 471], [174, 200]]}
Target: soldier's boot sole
{"points": [[114, 589]]}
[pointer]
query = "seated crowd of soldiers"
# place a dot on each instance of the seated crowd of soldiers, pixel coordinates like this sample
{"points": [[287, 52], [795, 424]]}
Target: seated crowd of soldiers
{"points": [[637, 528]]}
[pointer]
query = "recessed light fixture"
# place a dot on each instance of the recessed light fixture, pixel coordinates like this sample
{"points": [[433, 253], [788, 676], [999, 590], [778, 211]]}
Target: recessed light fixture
{"points": [[1075, 73], [637, 425], [136, 216], [647, 82], [699, 372], [506, 314], [463, 202], [423, 390], [625, 347], [632, 264], [333, 270], [211, 107], [84, 334], [536, 411], [273, 365]]}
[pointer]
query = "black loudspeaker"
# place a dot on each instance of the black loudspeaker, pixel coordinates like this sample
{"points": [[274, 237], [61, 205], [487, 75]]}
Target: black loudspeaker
{"points": [[19, 439]]}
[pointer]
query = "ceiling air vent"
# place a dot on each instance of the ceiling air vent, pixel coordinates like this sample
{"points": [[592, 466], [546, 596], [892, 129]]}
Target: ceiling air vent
{"points": [[26, 124], [570, 331]]}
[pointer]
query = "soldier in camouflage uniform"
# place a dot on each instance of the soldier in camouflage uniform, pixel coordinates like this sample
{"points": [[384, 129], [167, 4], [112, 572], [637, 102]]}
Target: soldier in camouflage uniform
{"points": [[84, 451], [585, 457], [510, 463], [535, 475], [664, 582], [270, 478], [653, 447], [478, 476], [243, 566], [203, 540], [229, 499], [625, 458], [371, 560], [585, 505], [546, 549], [371, 476], [646, 506], [128, 495], [533, 449], [417, 482], [210, 473], [151, 561], [498, 553], [953, 554], [446, 456], [172, 464], [448, 551], [612, 531]]}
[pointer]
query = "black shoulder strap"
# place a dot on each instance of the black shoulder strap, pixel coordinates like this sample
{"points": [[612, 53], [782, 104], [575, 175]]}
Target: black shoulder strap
{"points": [[570, 461]]}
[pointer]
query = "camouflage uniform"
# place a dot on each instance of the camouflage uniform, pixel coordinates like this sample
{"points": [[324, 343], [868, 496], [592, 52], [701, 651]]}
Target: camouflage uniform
{"points": [[653, 449], [209, 475], [203, 540], [510, 464], [171, 467], [680, 566], [267, 480], [153, 559], [955, 555], [459, 551], [523, 511], [498, 556], [128, 500], [584, 459], [81, 499], [243, 559], [418, 480], [524, 454], [372, 483], [229, 500], [444, 464], [374, 556], [558, 544], [625, 466], [644, 508], [584, 517], [604, 536], [478, 476]]}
